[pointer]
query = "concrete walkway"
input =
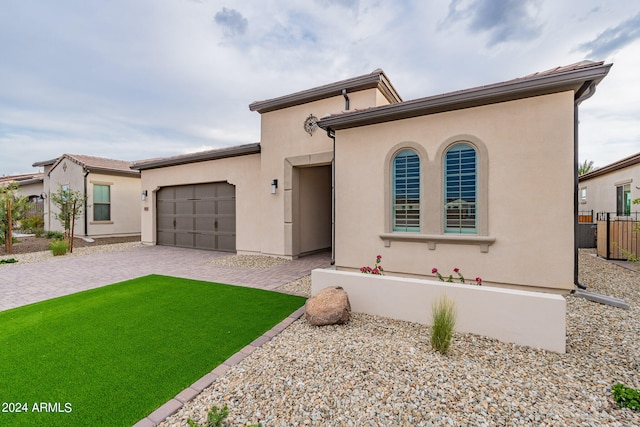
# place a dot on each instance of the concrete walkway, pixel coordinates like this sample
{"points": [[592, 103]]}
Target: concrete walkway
{"points": [[29, 283]]}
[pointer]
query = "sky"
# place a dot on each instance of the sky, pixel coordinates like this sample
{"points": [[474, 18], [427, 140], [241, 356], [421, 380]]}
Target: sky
{"points": [[141, 79]]}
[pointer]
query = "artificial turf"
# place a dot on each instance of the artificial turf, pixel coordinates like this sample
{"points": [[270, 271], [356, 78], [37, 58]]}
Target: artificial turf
{"points": [[110, 356]]}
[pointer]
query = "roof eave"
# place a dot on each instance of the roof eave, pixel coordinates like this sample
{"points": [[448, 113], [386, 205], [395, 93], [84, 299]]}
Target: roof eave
{"points": [[223, 153], [107, 171], [29, 181], [512, 90], [44, 163], [377, 79], [612, 167]]}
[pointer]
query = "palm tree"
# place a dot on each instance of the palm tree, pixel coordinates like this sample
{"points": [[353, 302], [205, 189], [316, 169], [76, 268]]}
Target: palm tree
{"points": [[585, 167]]}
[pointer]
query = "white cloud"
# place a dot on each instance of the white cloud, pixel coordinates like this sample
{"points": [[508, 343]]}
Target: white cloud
{"points": [[136, 79]]}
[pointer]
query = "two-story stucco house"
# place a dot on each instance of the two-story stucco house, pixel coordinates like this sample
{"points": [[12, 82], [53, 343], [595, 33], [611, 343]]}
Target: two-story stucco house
{"points": [[451, 180], [111, 188]]}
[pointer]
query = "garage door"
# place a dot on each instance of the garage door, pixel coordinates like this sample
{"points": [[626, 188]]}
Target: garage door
{"points": [[200, 216]]}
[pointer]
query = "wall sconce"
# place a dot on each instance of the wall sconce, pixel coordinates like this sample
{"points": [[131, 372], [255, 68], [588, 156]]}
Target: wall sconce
{"points": [[144, 195], [274, 186]]}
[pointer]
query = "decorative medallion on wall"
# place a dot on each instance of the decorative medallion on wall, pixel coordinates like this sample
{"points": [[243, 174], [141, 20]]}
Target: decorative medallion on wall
{"points": [[311, 124], [64, 166]]}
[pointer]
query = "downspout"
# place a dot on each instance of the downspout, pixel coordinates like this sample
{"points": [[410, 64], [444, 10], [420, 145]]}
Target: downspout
{"points": [[331, 134], [86, 231], [585, 92], [346, 99]]}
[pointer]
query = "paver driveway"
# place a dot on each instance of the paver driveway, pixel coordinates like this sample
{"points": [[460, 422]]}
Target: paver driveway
{"points": [[29, 283]]}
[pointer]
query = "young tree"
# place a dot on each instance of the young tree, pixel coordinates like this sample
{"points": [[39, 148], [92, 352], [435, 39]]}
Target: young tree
{"points": [[12, 210], [70, 206]]}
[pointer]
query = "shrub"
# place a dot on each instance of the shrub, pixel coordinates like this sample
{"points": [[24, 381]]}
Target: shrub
{"points": [[39, 232], [58, 247], [58, 235], [626, 397], [215, 417], [8, 261], [444, 320], [32, 223]]}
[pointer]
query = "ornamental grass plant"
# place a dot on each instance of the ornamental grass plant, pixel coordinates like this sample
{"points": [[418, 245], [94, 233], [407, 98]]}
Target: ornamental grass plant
{"points": [[444, 321], [59, 247]]}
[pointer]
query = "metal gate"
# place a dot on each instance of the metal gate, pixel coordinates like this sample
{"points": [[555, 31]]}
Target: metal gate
{"points": [[617, 235], [199, 216]]}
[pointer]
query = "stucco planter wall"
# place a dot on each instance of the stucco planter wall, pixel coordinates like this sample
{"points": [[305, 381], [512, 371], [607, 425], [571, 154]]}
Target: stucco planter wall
{"points": [[533, 319]]}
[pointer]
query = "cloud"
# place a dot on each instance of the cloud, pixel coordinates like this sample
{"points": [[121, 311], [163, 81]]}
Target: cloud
{"points": [[348, 4], [613, 39], [504, 20], [232, 22]]}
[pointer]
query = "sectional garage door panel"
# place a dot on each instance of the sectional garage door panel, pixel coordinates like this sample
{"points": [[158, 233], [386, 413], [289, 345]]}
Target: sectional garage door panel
{"points": [[200, 216]]}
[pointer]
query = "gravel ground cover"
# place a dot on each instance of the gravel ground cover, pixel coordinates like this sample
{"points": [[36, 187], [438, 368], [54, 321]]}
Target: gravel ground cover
{"points": [[257, 262], [380, 372]]}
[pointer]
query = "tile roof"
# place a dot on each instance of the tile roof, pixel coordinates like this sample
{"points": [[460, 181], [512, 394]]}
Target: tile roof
{"points": [[25, 178], [97, 164]]}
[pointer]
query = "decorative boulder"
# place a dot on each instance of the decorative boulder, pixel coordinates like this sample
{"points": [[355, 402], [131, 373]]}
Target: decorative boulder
{"points": [[328, 307]]}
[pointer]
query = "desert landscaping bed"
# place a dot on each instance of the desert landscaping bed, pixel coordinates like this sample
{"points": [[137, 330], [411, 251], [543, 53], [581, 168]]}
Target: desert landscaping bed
{"points": [[34, 249], [376, 371]]}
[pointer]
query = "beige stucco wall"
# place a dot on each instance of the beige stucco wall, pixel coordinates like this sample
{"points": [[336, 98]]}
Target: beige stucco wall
{"points": [[601, 190], [284, 144], [72, 175], [242, 171], [29, 190], [535, 319], [125, 200], [46, 188], [529, 199]]}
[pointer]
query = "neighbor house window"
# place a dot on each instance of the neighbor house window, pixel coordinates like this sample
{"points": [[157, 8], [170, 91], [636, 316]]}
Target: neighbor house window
{"points": [[64, 191], [460, 189], [101, 202], [623, 200], [583, 195], [406, 191]]}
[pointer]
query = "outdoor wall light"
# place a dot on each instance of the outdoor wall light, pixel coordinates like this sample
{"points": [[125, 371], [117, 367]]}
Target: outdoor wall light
{"points": [[144, 195], [274, 186]]}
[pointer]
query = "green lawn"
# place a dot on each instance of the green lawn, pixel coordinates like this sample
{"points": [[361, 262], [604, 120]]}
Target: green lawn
{"points": [[112, 355]]}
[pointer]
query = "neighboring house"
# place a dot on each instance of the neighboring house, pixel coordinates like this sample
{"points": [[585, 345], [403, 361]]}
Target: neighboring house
{"points": [[111, 187], [29, 184], [611, 188], [446, 181]]}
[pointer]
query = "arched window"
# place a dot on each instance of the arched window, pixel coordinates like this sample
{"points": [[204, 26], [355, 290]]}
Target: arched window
{"points": [[406, 191], [461, 189]]}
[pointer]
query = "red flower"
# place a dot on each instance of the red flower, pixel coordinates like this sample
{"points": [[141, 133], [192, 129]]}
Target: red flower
{"points": [[455, 270], [478, 280], [434, 270], [379, 257]]}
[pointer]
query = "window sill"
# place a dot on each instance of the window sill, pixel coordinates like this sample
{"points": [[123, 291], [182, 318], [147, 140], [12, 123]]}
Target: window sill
{"points": [[100, 222], [431, 239]]}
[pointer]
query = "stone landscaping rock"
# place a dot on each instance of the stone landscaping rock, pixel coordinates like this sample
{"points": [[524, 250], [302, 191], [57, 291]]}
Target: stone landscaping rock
{"points": [[328, 307]]}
